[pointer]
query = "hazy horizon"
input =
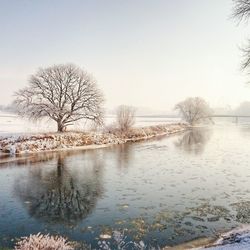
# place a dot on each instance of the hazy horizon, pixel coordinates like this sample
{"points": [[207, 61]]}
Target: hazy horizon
{"points": [[144, 53]]}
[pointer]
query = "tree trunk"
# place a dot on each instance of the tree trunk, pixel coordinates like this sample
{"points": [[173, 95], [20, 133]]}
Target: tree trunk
{"points": [[60, 126], [60, 164]]}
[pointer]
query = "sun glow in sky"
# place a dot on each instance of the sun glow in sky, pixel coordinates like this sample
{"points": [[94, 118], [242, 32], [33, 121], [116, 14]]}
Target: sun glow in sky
{"points": [[148, 53]]}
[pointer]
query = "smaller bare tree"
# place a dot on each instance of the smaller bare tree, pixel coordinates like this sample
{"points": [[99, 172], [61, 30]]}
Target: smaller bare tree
{"points": [[194, 110], [125, 117], [243, 109]]}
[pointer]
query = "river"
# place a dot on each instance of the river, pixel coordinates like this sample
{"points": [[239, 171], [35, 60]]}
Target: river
{"points": [[164, 191]]}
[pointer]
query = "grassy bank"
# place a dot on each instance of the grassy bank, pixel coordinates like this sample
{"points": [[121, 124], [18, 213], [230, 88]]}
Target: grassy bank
{"points": [[24, 144]]}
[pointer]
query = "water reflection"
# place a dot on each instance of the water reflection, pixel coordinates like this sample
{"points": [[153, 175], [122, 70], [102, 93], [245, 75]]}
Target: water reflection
{"points": [[194, 140], [245, 131], [64, 191], [124, 155], [154, 191], [7, 161]]}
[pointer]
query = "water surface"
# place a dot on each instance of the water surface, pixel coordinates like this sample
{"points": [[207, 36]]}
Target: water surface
{"points": [[164, 191]]}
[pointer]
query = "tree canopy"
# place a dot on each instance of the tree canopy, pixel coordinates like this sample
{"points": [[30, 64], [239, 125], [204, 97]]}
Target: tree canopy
{"points": [[241, 11], [125, 117], [194, 110], [65, 93]]}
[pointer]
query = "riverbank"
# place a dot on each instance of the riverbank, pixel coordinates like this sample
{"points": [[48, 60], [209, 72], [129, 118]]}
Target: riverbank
{"points": [[236, 239], [47, 142]]}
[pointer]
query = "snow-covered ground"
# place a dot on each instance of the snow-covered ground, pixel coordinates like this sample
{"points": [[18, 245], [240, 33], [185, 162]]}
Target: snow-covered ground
{"points": [[12, 124], [18, 136], [237, 239]]}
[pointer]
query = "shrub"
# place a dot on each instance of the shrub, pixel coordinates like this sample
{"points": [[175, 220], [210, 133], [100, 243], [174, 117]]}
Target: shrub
{"points": [[43, 242]]}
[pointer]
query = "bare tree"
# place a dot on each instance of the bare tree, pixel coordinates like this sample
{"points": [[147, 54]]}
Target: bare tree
{"points": [[194, 110], [243, 109], [241, 9], [125, 117], [65, 93]]}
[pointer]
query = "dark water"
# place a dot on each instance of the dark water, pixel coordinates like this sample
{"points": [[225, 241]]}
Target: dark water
{"points": [[164, 191]]}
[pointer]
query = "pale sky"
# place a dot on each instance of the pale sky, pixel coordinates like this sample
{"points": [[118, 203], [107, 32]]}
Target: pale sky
{"points": [[149, 53]]}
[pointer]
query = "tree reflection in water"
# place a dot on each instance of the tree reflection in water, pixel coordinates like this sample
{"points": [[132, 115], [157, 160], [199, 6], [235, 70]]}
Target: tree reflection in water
{"points": [[124, 154], [64, 192], [194, 140], [245, 130]]}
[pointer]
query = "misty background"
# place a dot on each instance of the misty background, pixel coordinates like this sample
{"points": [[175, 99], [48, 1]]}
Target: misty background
{"points": [[147, 54]]}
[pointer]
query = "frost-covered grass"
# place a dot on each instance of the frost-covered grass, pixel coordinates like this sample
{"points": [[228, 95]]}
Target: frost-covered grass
{"points": [[238, 239], [51, 141], [19, 136], [44, 242], [30, 143], [151, 131], [116, 240]]}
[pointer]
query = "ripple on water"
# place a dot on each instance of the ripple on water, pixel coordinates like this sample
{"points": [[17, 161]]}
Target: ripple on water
{"points": [[163, 192]]}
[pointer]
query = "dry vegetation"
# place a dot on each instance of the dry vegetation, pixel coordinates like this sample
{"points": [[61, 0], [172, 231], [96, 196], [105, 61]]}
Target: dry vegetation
{"points": [[125, 118], [44, 242], [58, 141]]}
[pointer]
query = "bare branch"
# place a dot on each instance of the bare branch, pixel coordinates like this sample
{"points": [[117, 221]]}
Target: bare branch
{"points": [[125, 117], [65, 93], [241, 10], [194, 110]]}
